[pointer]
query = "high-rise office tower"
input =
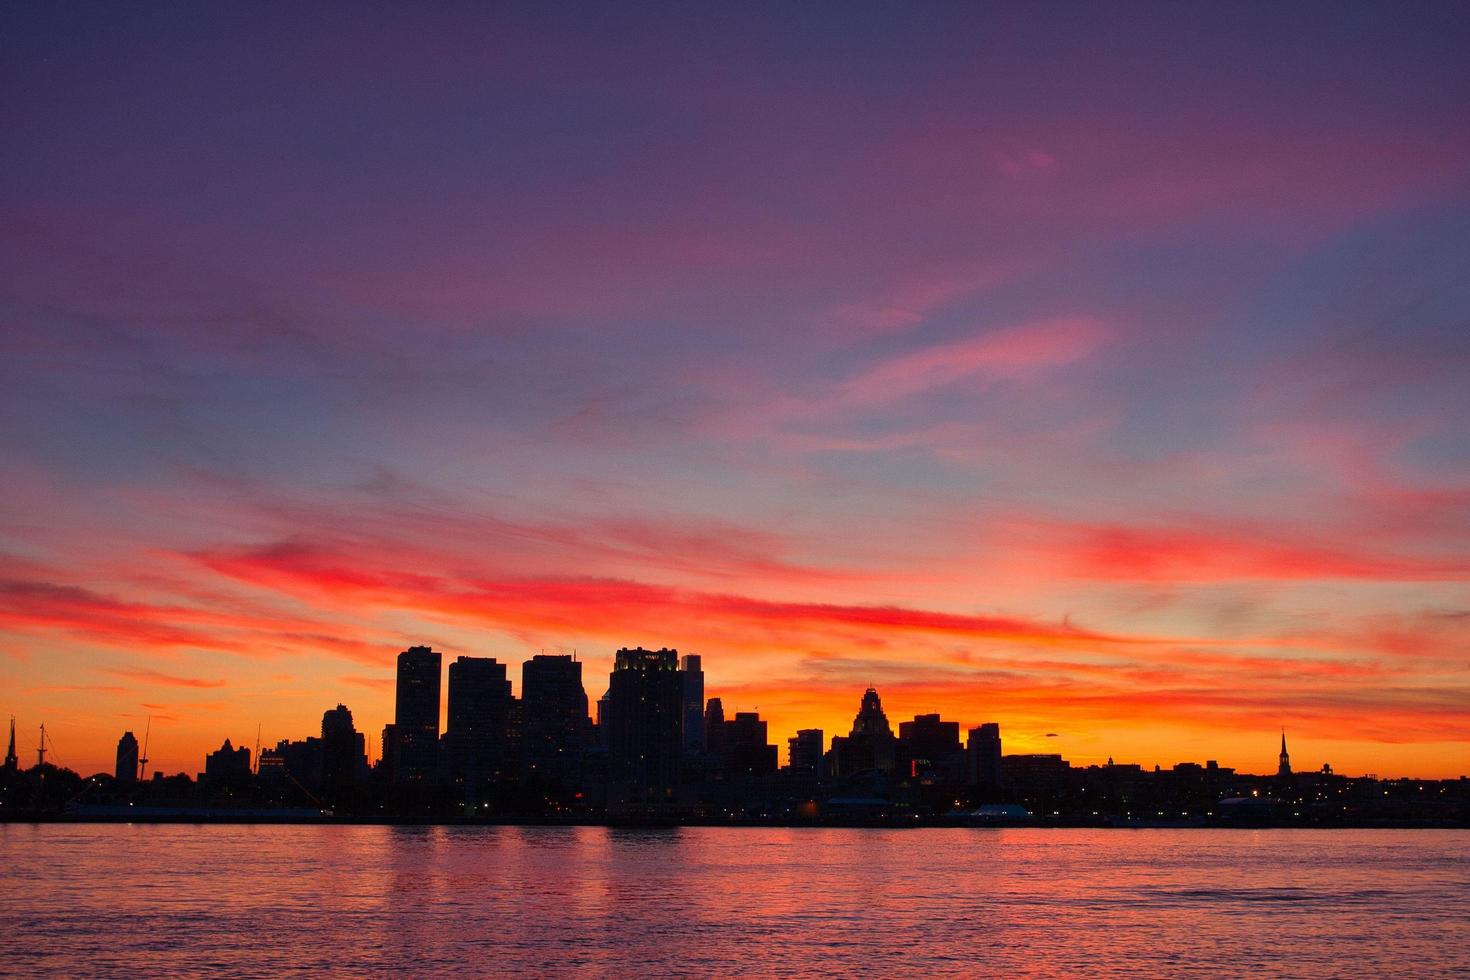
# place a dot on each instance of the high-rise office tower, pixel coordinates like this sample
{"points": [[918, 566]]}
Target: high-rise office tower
{"points": [[714, 732], [554, 726], [693, 671], [477, 738], [416, 716], [746, 751], [870, 744], [343, 749], [645, 725], [928, 745], [127, 758], [983, 756], [805, 751]]}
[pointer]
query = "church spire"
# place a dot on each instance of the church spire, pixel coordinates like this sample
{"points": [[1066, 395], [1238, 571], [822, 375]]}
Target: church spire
{"points": [[1284, 768], [12, 763]]}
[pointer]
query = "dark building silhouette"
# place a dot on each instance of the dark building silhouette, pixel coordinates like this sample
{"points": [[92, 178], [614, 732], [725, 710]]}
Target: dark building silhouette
{"points": [[126, 770], [928, 745], [982, 756], [693, 671], [416, 716], [554, 729], [477, 738], [1045, 772], [746, 751], [805, 751], [1283, 764], [343, 748], [714, 733], [644, 717], [297, 761], [869, 746], [227, 765], [12, 763]]}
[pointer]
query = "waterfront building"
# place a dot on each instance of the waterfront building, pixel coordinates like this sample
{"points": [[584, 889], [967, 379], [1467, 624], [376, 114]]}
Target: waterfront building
{"points": [[746, 750], [982, 756], [343, 747], [477, 737], [126, 770], [415, 747], [804, 750], [644, 718], [692, 670], [1283, 763], [555, 728], [869, 746], [928, 745]]}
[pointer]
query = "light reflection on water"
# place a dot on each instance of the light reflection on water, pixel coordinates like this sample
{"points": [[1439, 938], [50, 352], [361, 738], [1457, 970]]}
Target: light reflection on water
{"points": [[254, 900]]}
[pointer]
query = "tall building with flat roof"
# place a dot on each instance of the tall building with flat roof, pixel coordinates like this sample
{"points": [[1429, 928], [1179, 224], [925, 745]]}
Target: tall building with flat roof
{"points": [[694, 737], [982, 756], [746, 750], [343, 747], [644, 716], [554, 727], [477, 737], [805, 753], [416, 715]]}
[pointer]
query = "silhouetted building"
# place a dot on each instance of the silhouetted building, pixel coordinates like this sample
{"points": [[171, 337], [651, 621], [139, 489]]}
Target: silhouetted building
{"points": [[1283, 765], [714, 733], [870, 744], [555, 727], [982, 755], [693, 671], [416, 716], [746, 751], [805, 751], [126, 770], [928, 744], [644, 717], [343, 748], [477, 738], [227, 765], [388, 750], [1040, 772], [12, 763], [299, 761]]}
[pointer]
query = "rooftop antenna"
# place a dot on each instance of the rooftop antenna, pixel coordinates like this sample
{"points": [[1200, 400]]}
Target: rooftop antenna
{"points": [[143, 762]]}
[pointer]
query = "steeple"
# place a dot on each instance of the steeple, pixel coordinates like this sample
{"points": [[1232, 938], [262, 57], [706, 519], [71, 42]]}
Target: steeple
{"points": [[12, 763], [1284, 768]]}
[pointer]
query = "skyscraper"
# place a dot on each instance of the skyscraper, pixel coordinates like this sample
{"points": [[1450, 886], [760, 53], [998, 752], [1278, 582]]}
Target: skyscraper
{"points": [[982, 756], [805, 751], [869, 745], [714, 733], [127, 758], [645, 725], [746, 751], [477, 738], [416, 715], [928, 744], [693, 672], [343, 748], [554, 729]]}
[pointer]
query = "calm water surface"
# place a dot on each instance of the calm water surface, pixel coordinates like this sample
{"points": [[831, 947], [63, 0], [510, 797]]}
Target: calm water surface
{"points": [[369, 901]]}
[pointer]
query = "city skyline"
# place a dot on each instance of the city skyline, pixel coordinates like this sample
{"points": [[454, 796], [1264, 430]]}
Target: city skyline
{"points": [[1100, 370], [446, 736]]}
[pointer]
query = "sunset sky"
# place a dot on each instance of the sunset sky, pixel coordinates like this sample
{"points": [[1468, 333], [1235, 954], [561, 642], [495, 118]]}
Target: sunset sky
{"points": [[1100, 370]]}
